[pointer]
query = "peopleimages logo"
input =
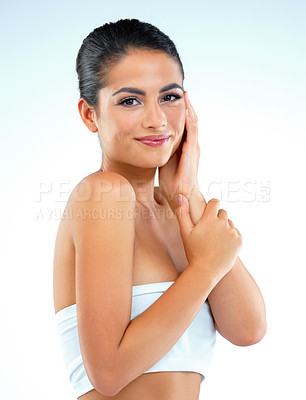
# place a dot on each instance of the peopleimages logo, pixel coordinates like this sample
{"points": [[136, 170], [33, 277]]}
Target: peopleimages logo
{"points": [[50, 198], [240, 190]]}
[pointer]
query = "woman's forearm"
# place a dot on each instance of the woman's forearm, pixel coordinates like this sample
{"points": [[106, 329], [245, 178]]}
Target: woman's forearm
{"points": [[236, 301], [154, 332]]}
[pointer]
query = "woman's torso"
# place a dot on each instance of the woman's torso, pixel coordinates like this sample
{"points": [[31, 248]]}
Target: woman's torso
{"points": [[159, 256]]}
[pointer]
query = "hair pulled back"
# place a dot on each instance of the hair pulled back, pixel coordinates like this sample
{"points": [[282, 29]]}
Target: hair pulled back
{"points": [[108, 44]]}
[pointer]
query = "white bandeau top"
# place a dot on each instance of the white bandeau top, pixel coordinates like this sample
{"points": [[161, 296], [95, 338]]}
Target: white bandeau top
{"points": [[192, 352]]}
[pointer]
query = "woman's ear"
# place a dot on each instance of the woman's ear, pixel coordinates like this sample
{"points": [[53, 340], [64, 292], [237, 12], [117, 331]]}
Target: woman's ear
{"points": [[88, 115]]}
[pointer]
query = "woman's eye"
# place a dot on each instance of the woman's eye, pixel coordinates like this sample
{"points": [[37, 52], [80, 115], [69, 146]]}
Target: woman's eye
{"points": [[128, 102], [176, 96]]}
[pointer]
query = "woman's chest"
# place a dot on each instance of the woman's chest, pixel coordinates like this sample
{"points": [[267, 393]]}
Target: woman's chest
{"points": [[159, 254]]}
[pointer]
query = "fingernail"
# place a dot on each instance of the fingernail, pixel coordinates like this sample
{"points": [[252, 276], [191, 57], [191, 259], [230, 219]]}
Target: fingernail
{"points": [[180, 199]]}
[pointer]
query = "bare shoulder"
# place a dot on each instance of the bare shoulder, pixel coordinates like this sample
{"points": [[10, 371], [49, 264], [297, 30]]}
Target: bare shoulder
{"points": [[99, 185]]}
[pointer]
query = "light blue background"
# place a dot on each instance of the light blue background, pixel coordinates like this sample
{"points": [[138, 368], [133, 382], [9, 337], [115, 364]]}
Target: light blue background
{"points": [[245, 66]]}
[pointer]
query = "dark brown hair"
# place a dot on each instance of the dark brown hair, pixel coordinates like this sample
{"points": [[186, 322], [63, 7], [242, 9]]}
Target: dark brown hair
{"points": [[108, 44]]}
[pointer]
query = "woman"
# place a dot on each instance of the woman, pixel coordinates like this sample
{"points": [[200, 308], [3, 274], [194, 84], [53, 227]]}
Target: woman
{"points": [[141, 281]]}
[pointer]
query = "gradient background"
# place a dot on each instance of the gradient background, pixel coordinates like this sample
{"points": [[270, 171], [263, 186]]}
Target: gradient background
{"points": [[245, 73]]}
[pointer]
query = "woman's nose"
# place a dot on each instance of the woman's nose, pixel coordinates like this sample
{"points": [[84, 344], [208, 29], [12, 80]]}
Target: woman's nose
{"points": [[154, 116]]}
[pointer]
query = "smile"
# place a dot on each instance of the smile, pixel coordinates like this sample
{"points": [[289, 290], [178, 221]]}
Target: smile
{"points": [[154, 143]]}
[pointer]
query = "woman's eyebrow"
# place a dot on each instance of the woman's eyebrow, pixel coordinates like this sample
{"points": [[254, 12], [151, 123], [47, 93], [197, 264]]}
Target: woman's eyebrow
{"points": [[142, 93]]}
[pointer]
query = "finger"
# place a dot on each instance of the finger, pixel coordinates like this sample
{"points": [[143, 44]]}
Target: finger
{"points": [[190, 108], [191, 116], [211, 208], [238, 232], [186, 99], [191, 125], [187, 103], [230, 223], [192, 130], [222, 214]]}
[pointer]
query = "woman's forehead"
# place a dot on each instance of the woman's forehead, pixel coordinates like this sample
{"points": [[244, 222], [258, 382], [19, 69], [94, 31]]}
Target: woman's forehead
{"points": [[145, 69]]}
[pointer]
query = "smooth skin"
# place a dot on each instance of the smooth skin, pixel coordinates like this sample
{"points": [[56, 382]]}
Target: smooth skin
{"points": [[119, 125], [179, 175], [162, 244], [159, 254]]}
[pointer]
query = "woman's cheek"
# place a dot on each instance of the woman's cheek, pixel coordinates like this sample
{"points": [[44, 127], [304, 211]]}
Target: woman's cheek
{"points": [[177, 143], [181, 122], [127, 125]]}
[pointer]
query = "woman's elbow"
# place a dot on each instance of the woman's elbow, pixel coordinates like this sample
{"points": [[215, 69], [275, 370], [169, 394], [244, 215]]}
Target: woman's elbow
{"points": [[105, 380], [259, 333], [107, 385], [252, 337]]}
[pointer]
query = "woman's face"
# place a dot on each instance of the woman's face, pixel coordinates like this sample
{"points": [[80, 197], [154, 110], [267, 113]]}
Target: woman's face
{"points": [[125, 115]]}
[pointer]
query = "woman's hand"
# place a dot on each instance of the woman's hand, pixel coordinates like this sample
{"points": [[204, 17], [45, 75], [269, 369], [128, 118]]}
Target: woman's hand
{"points": [[179, 175]]}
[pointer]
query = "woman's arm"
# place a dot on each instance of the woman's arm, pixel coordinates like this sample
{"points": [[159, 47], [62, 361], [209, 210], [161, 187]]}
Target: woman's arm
{"points": [[115, 349], [153, 333], [236, 302]]}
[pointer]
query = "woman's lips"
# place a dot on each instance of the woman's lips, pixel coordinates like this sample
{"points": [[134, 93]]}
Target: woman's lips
{"points": [[154, 143]]}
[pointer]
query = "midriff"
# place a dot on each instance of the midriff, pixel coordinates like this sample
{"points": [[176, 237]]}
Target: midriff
{"points": [[169, 385]]}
